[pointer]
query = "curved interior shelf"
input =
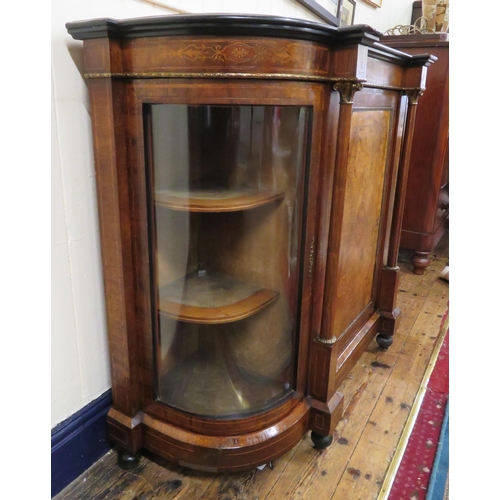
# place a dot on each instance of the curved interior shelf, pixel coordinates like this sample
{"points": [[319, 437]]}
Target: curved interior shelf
{"points": [[212, 298], [210, 383], [215, 199]]}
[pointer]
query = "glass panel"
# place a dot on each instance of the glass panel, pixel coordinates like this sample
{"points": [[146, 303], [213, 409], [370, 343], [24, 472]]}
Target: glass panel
{"points": [[227, 185]]}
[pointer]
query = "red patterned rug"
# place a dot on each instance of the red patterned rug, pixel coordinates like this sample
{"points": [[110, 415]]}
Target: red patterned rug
{"points": [[413, 476]]}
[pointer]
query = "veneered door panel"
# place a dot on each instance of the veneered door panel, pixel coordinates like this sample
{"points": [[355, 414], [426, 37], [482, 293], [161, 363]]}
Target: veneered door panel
{"points": [[362, 210]]}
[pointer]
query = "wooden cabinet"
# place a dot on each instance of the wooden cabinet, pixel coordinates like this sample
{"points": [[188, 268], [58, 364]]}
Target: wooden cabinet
{"points": [[250, 175], [427, 196]]}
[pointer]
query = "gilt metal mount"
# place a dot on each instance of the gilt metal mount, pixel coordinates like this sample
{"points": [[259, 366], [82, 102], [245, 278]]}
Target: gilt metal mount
{"points": [[347, 89]]}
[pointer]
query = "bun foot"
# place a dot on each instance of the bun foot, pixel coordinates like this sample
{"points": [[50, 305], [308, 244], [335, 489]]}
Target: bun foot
{"points": [[128, 460], [321, 442], [421, 262], [384, 342]]}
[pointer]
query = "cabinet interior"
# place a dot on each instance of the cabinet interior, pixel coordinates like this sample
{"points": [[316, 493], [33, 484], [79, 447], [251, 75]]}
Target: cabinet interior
{"points": [[227, 186]]}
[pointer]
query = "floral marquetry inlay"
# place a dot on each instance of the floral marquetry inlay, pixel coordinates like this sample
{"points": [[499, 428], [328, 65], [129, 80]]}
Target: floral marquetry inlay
{"points": [[163, 55], [233, 52]]}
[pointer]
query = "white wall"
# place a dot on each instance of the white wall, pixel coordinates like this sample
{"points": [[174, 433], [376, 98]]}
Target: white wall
{"points": [[392, 13], [80, 364]]}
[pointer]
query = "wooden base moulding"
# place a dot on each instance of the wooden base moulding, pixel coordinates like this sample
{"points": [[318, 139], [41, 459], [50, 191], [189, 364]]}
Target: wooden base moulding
{"points": [[223, 453]]}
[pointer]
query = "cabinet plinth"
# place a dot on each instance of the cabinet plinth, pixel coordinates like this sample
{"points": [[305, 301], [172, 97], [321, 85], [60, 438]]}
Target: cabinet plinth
{"points": [[251, 175]]}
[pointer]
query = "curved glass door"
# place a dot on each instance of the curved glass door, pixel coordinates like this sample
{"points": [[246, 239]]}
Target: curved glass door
{"points": [[226, 184]]}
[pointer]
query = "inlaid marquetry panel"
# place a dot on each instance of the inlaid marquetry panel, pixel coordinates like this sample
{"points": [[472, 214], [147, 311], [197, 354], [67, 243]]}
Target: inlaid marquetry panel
{"points": [[370, 129], [230, 55]]}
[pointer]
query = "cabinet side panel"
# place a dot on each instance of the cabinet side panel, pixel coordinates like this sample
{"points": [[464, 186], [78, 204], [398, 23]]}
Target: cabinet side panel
{"points": [[361, 215], [109, 131]]}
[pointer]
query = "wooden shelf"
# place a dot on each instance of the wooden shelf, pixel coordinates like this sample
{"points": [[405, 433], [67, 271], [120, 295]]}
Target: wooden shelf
{"points": [[215, 199], [212, 299]]}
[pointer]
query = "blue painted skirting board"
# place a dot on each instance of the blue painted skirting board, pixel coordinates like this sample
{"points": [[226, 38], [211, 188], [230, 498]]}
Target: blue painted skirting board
{"points": [[79, 441], [439, 475]]}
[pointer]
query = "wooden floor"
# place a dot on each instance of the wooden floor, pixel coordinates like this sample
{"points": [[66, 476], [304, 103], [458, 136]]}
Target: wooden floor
{"points": [[379, 394]]}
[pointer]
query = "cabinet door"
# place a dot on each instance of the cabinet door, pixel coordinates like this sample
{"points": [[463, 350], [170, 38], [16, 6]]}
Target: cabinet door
{"points": [[226, 186], [360, 226]]}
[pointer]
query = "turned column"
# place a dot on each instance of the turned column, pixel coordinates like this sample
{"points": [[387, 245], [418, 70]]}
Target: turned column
{"points": [[390, 273], [326, 403]]}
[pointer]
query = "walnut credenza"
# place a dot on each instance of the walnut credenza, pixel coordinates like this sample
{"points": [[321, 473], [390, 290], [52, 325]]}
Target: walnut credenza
{"points": [[251, 174]]}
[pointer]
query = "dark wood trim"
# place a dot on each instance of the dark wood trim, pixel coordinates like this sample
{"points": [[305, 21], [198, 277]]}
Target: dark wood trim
{"points": [[219, 25]]}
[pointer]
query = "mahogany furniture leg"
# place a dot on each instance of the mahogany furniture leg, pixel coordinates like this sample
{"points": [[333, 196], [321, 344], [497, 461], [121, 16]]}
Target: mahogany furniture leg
{"points": [[420, 261]]}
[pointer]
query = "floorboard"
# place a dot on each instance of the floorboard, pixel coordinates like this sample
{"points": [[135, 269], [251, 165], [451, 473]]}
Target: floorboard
{"points": [[379, 393]]}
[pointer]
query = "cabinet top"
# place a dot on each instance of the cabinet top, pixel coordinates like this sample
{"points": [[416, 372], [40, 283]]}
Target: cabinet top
{"points": [[220, 25], [243, 25], [417, 40]]}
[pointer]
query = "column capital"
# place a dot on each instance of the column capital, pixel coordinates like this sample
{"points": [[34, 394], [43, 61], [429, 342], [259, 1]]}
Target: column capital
{"points": [[347, 89], [413, 95]]}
